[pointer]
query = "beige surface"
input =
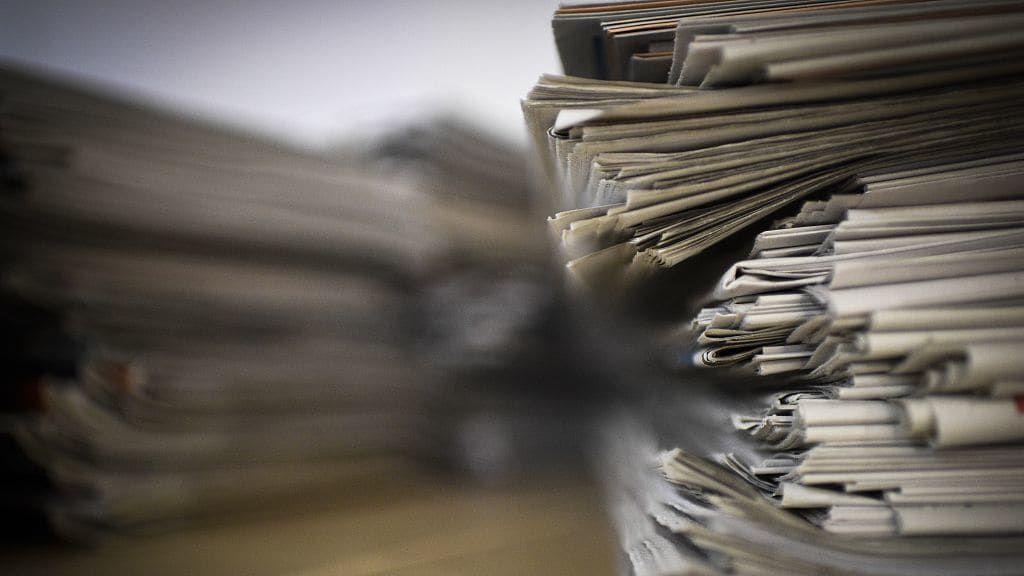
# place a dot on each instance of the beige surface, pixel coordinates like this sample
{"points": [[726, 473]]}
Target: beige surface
{"points": [[399, 526]]}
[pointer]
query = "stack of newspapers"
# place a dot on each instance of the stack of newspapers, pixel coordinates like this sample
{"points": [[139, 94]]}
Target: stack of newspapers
{"points": [[648, 176], [899, 328], [200, 319], [871, 417]]}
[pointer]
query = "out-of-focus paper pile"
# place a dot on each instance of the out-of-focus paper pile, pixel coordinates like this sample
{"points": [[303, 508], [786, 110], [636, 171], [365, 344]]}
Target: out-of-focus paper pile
{"points": [[198, 318], [873, 422]]}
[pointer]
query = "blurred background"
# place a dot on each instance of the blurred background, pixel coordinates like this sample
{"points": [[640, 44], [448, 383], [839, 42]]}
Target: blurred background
{"points": [[310, 72], [411, 109]]}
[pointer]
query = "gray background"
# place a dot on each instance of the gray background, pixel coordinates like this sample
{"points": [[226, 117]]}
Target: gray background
{"points": [[309, 71]]}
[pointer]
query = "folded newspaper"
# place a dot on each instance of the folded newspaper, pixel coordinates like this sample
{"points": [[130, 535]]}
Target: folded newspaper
{"points": [[853, 175]]}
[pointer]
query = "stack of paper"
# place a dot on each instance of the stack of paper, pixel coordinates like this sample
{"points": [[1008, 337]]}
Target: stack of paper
{"points": [[200, 317], [899, 326], [872, 422], [237, 309], [648, 176], [477, 200], [721, 43], [724, 505]]}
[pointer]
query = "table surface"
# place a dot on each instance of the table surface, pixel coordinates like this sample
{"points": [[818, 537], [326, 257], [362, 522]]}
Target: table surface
{"points": [[399, 525]]}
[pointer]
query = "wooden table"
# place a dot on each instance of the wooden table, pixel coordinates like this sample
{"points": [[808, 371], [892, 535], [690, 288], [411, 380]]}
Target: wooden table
{"points": [[404, 524]]}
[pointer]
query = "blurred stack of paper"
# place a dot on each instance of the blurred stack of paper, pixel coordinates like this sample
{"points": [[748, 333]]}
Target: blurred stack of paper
{"points": [[649, 176], [240, 308], [479, 203], [200, 318], [489, 318]]}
